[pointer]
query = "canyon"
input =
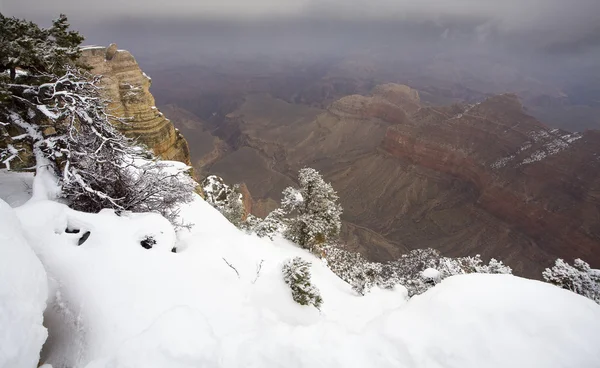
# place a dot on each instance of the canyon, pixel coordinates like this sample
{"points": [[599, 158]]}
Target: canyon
{"points": [[456, 170], [481, 178]]}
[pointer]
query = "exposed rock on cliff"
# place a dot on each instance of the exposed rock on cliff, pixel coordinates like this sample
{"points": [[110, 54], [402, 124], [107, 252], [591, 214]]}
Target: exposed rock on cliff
{"points": [[127, 87]]}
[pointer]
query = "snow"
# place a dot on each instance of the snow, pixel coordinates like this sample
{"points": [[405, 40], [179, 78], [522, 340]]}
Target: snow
{"points": [[114, 304], [496, 321], [45, 185], [548, 143], [91, 47], [23, 292], [431, 274], [49, 114], [15, 187]]}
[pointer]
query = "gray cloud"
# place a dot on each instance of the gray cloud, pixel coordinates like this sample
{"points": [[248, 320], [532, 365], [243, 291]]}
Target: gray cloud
{"points": [[505, 14], [565, 25]]}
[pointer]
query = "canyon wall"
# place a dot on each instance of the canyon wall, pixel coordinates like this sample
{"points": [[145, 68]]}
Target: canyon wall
{"points": [[544, 183]]}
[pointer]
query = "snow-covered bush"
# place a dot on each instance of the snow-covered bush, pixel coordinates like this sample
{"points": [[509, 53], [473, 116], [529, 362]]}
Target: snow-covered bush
{"points": [[296, 273], [250, 223], [314, 214], [345, 264], [408, 270], [272, 225], [579, 278], [227, 199], [364, 280], [495, 266]]}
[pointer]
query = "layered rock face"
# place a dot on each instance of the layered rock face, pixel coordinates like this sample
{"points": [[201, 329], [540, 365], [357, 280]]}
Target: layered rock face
{"points": [[128, 90], [544, 183]]}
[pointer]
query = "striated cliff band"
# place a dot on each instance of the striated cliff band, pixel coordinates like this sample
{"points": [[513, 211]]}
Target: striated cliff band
{"points": [[128, 89], [464, 179]]}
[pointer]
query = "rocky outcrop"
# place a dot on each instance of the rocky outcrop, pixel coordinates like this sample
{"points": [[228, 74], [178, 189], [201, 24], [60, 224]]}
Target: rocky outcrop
{"points": [[389, 102], [128, 90]]}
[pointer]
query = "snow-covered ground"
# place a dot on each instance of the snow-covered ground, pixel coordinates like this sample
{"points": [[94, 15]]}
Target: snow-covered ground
{"points": [[113, 303], [23, 293]]}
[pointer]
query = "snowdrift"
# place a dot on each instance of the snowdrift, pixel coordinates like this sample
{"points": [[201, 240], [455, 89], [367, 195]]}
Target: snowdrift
{"points": [[23, 292], [220, 301]]}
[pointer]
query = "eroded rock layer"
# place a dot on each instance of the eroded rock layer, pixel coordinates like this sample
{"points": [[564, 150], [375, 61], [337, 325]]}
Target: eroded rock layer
{"points": [[128, 89]]}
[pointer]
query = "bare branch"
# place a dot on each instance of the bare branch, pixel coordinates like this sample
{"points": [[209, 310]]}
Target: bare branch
{"points": [[258, 268], [233, 268]]}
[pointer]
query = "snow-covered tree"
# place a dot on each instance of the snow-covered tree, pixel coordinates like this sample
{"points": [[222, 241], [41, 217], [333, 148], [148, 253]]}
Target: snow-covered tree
{"points": [[495, 266], [314, 214], [296, 273], [579, 278], [57, 107], [227, 199], [235, 211], [37, 51]]}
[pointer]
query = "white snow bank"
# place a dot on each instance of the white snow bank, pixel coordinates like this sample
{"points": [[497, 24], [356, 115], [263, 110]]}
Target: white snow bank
{"points": [[110, 290], [23, 292], [482, 320], [431, 274], [115, 304]]}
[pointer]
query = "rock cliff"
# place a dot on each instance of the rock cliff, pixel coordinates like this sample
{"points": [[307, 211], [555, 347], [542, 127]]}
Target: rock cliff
{"points": [[128, 89]]}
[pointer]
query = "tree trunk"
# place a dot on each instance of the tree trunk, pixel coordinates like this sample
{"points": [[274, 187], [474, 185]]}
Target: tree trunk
{"points": [[13, 74]]}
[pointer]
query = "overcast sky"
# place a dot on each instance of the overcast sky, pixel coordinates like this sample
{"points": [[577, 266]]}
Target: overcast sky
{"points": [[507, 13], [568, 23]]}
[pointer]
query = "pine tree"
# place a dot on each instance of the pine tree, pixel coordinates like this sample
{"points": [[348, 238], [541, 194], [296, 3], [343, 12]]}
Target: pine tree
{"points": [[314, 212], [37, 51]]}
